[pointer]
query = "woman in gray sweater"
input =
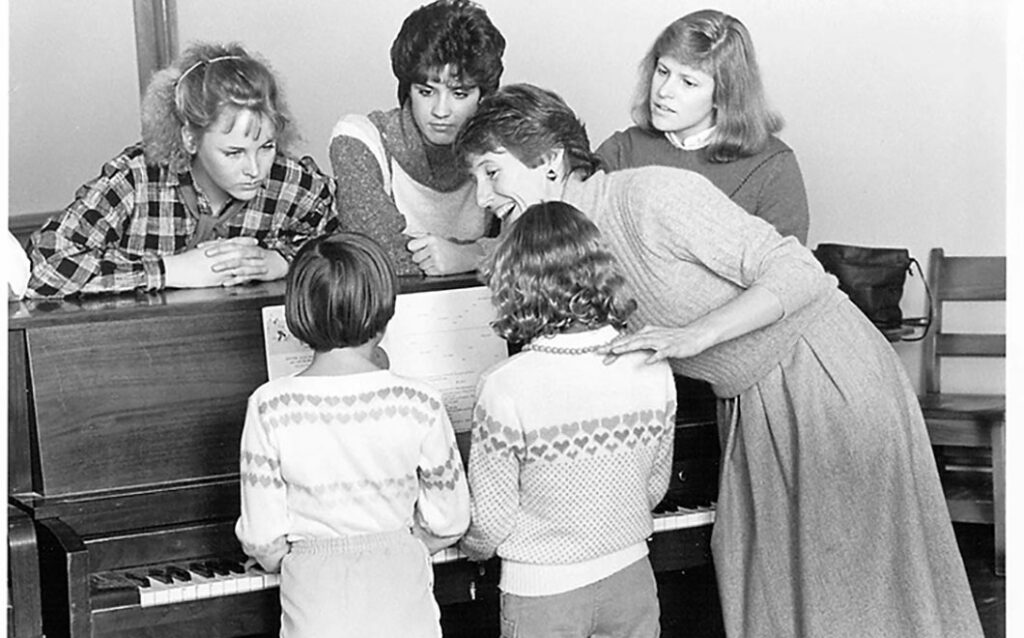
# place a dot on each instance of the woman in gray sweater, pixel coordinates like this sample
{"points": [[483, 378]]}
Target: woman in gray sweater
{"points": [[830, 518]]}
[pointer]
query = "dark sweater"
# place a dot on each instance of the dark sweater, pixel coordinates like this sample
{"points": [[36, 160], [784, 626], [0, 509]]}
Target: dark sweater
{"points": [[768, 185], [362, 203]]}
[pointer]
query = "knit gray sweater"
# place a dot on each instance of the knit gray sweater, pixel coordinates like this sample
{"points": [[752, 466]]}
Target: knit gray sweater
{"points": [[686, 249]]}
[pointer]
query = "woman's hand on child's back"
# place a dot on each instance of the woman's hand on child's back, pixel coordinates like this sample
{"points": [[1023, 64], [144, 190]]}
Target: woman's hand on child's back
{"points": [[663, 343]]}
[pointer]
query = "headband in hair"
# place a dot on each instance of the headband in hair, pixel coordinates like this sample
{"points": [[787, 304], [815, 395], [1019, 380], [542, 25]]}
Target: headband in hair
{"points": [[201, 62]]}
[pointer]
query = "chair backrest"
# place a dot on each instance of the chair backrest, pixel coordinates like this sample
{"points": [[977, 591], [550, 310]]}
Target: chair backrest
{"points": [[961, 279]]}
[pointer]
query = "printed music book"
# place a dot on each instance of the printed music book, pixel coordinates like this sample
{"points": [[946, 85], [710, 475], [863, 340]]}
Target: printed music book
{"points": [[441, 337]]}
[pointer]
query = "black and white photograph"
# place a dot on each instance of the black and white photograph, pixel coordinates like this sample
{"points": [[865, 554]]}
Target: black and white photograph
{"points": [[513, 319]]}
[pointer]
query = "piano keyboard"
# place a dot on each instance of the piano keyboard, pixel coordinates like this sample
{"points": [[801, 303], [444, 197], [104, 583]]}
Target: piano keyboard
{"points": [[197, 580], [684, 517]]}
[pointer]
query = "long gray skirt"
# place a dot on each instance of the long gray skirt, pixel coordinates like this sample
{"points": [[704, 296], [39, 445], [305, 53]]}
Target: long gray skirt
{"points": [[372, 586], [831, 521]]}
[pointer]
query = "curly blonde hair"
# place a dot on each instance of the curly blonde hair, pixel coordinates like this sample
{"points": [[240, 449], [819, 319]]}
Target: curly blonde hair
{"points": [[552, 272], [195, 91]]}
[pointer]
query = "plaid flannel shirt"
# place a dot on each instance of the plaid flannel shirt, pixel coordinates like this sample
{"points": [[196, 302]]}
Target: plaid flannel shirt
{"points": [[121, 224]]}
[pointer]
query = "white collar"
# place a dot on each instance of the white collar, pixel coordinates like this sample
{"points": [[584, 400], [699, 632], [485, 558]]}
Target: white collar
{"points": [[692, 143]]}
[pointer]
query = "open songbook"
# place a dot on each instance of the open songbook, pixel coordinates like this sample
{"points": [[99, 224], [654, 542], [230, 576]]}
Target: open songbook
{"points": [[440, 337]]}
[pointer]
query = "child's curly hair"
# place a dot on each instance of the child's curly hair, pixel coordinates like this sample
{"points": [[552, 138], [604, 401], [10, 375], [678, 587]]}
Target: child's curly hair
{"points": [[552, 272], [195, 90]]}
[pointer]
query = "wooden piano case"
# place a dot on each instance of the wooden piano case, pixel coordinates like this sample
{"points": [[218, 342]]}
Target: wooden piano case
{"points": [[125, 417], [125, 414]]}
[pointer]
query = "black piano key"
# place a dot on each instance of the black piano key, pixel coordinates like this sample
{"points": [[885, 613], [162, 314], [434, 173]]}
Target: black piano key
{"points": [[140, 581], [217, 567], [201, 568], [160, 576], [663, 507], [234, 567], [177, 573]]}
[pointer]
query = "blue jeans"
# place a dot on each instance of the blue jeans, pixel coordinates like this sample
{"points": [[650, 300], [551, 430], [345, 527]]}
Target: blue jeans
{"points": [[623, 605]]}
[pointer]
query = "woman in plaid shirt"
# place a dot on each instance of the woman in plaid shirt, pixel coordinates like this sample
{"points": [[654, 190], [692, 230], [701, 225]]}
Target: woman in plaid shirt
{"points": [[206, 199]]}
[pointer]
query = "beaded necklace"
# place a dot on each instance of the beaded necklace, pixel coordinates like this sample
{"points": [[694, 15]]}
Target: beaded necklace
{"points": [[558, 350]]}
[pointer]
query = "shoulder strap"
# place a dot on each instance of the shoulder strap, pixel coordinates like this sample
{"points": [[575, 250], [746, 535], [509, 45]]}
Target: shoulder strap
{"points": [[924, 322], [360, 127]]}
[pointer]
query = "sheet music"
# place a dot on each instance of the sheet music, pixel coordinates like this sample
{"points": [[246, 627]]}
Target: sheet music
{"points": [[285, 354], [441, 337]]}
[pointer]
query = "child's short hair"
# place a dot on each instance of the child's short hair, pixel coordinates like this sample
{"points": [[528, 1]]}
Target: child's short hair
{"points": [[551, 272], [340, 291]]}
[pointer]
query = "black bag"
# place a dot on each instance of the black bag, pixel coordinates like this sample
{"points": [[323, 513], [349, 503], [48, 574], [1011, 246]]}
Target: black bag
{"points": [[873, 278]]}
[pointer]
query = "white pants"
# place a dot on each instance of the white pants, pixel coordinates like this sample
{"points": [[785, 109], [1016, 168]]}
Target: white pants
{"points": [[370, 586]]}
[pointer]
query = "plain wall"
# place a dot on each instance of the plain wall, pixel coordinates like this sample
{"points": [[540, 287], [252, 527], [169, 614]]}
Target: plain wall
{"points": [[896, 109], [73, 96]]}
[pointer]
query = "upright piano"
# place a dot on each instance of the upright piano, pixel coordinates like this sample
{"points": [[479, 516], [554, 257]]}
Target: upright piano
{"points": [[125, 414]]}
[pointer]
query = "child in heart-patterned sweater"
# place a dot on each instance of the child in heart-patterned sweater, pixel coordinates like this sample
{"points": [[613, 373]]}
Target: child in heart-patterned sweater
{"points": [[569, 454], [350, 474]]}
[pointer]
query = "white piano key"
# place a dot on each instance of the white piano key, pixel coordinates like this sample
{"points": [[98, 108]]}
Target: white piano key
{"points": [[448, 555], [160, 596], [146, 597], [230, 585], [174, 594], [204, 590]]}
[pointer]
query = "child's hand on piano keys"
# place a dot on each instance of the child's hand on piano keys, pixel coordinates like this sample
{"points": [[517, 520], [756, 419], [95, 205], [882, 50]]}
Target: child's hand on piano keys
{"points": [[434, 543]]}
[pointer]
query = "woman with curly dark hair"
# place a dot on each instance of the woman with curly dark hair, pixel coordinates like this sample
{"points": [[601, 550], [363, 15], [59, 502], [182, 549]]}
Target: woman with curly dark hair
{"points": [[569, 455], [398, 178], [208, 198]]}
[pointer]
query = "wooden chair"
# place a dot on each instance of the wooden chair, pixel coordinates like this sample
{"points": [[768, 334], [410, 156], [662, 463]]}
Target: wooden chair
{"points": [[967, 430]]}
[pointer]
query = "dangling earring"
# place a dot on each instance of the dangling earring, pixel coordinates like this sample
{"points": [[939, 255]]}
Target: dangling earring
{"points": [[188, 141], [552, 175]]}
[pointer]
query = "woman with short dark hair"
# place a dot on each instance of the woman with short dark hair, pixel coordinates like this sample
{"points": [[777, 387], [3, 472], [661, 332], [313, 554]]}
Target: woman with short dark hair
{"points": [[398, 178], [830, 519]]}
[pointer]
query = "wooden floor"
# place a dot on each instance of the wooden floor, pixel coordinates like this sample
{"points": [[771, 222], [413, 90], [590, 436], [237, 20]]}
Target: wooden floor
{"points": [[690, 608], [989, 590]]}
